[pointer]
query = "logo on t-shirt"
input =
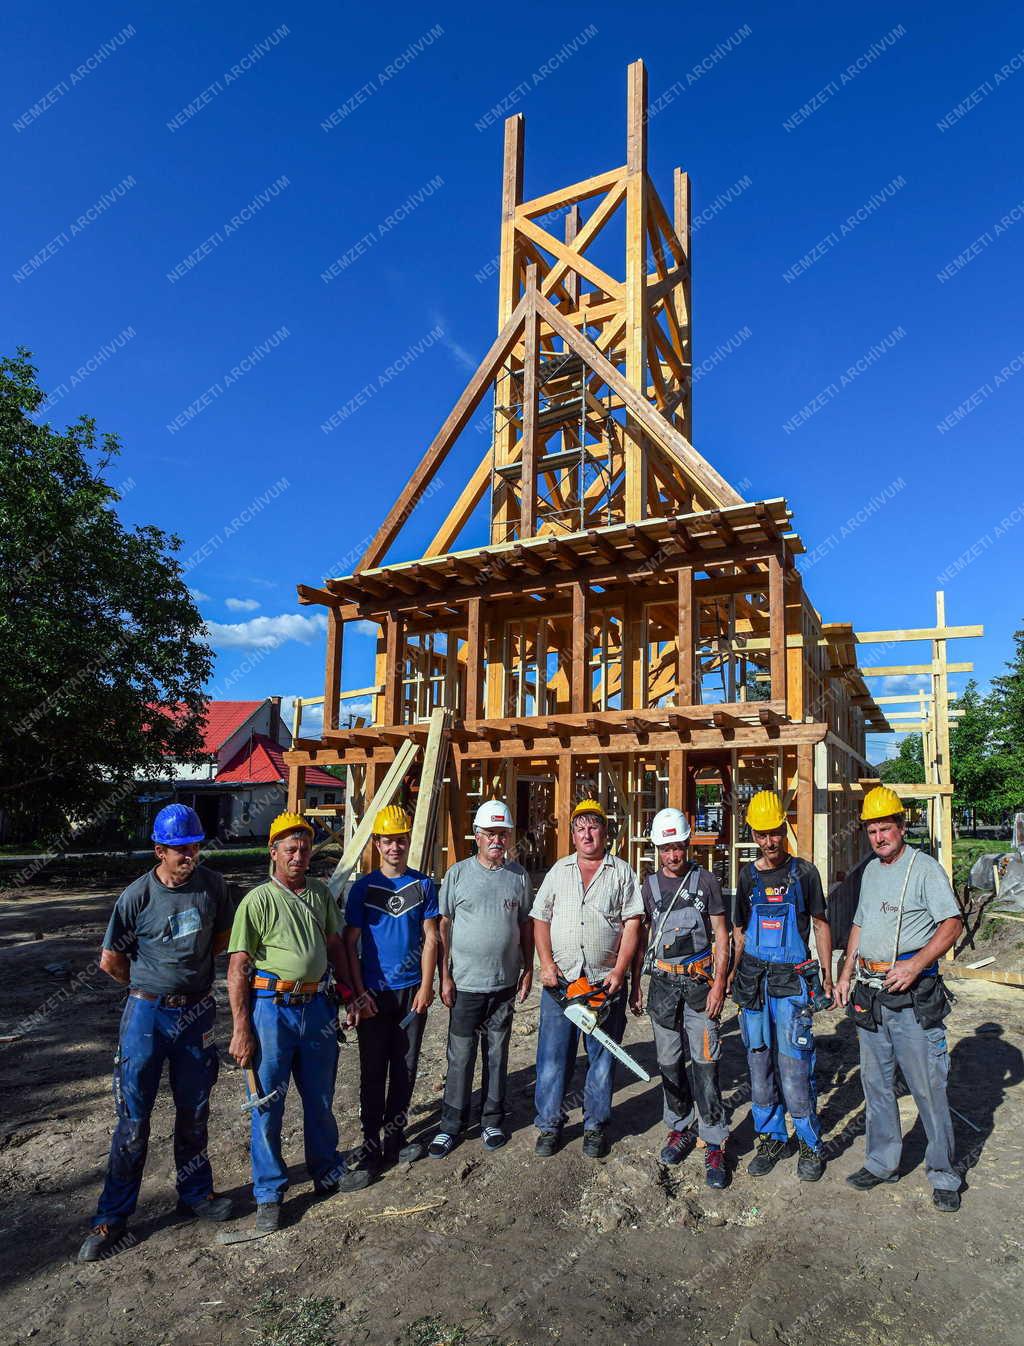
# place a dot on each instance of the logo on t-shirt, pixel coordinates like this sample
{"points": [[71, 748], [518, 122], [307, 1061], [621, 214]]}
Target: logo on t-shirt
{"points": [[777, 893], [396, 903]]}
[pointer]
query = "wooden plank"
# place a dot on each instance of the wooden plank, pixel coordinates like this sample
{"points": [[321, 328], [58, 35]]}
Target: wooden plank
{"points": [[457, 826], [686, 627], [578, 242], [511, 196], [395, 658], [528, 479], [332, 672], [425, 819], [682, 298], [937, 632], [474, 662], [572, 230], [777, 627], [568, 196], [563, 802], [455, 422], [580, 679], [636, 282], [573, 260], [296, 788], [308, 594], [376, 799], [805, 800], [983, 974], [893, 670]]}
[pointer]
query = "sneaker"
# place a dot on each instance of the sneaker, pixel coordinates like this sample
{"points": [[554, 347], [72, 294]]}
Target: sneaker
{"points": [[715, 1174], [493, 1138], [811, 1164], [212, 1207], [103, 1241], [945, 1200], [547, 1144], [678, 1146], [595, 1144], [769, 1152], [268, 1218], [442, 1145], [863, 1180]]}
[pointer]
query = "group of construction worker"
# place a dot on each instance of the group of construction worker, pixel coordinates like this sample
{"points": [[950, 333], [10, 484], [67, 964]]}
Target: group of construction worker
{"points": [[301, 969]]}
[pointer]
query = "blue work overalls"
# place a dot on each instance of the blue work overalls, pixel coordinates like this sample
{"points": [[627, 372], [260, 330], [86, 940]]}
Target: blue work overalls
{"points": [[768, 1032]]}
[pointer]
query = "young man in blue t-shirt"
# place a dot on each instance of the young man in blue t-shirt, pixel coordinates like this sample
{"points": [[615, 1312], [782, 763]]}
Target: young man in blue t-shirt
{"points": [[391, 937]]}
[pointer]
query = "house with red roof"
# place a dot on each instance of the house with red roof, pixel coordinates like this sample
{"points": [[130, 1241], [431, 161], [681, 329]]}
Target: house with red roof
{"points": [[242, 784]]}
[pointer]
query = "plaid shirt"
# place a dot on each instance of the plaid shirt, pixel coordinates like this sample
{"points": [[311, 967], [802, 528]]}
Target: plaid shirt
{"points": [[586, 928]]}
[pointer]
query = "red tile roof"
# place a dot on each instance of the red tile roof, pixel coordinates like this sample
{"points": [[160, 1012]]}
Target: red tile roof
{"points": [[262, 763], [222, 719]]}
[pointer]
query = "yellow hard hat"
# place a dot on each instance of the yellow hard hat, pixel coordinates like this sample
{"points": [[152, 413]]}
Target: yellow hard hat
{"points": [[765, 812], [881, 802], [392, 822], [588, 806], [287, 822]]}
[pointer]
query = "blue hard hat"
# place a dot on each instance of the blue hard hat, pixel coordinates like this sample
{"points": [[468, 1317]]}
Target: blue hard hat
{"points": [[177, 825]]}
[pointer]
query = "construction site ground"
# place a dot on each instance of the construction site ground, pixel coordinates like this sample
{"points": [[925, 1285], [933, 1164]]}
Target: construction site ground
{"points": [[495, 1248]]}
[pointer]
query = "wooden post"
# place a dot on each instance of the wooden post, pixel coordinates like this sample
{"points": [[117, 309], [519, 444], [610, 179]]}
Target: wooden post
{"points": [[332, 673], [509, 266], [821, 813], [563, 802], [636, 283], [805, 801], [528, 476], [677, 779], [394, 659], [474, 662], [685, 691], [777, 627], [683, 294], [572, 278], [296, 788], [456, 830], [580, 690]]}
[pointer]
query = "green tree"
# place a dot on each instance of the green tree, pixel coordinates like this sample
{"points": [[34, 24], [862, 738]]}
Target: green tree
{"points": [[102, 659], [907, 767], [975, 758], [1008, 731]]}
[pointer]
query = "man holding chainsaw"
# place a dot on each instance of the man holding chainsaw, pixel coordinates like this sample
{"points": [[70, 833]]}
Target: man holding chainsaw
{"points": [[284, 935], [778, 987], [906, 919], [685, 911], [586, 921]]}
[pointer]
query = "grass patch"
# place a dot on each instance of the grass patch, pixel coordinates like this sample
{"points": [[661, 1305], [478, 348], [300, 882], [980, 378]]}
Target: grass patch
{"points": [[433, 1332], [305, 1320], [967, 849]]}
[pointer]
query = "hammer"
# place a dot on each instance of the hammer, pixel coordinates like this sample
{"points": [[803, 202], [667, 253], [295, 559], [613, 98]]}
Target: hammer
{"points": [[252, 1084]]}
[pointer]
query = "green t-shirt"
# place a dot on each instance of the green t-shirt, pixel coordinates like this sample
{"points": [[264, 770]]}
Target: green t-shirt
{"points": [[284, 932]]}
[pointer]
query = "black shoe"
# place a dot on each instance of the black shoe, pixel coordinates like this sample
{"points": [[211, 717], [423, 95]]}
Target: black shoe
{"points": [[104, 1240], [863, 1180], [811, 1164], [214, 1208], [268, 1218], [595, 1144], [356, 1179], [411, 1152], [547, 1144], [769, 1152], [715, 1172], [677, 1146], [945, 1200]]}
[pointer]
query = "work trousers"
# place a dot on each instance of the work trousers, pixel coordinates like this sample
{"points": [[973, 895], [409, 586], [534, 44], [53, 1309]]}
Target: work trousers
{"points": [[557, 1044], [388, 1058], [152, 1033], [300, 1041], [677, 1031], [923, 1058], [481, 1018], [774, 1060]]}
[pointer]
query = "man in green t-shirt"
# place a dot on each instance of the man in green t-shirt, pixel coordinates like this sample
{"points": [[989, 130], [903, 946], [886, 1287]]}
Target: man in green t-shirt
{"points": [[284, 935]]}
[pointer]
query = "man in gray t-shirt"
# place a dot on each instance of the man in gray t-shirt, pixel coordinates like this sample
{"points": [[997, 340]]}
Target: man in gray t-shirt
{"points": [[906, 919], [487, 955]]}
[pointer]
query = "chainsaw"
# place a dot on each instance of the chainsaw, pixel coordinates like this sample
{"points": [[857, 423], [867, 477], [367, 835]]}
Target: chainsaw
{"points": [[586, 1006]]}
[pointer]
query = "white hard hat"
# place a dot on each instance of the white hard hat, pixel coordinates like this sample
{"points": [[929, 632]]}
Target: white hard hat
{"points": [[670, 827], [493, 813]]}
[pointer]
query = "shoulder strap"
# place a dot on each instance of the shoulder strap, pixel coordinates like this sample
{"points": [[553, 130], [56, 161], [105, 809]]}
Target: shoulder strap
{"points": [[306, 907], [903, 897]]}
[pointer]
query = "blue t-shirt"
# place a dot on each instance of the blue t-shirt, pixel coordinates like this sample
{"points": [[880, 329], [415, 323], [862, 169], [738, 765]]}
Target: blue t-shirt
{"points": [[390, 913]]}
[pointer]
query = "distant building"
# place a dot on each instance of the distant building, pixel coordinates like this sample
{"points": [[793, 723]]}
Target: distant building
{"points": [[242, 785]]}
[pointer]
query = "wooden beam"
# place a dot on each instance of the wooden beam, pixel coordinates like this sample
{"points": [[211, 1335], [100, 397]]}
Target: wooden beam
{"points": [[563, 801], [395, 656], [580, 679], [636, 281], [528, 479], [332, 672], [435, 755], [777, 627], [939, 632], [474, 662], [568, 196], [308, 594], [375, 800], [685, 652], [894, 670]]}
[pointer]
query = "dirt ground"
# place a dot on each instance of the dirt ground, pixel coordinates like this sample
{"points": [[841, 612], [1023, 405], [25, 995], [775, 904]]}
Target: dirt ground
{"points": [[497, 1248]]}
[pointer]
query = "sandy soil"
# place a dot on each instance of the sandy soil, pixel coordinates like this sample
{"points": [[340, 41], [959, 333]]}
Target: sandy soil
{"points": [[496, 1248]]}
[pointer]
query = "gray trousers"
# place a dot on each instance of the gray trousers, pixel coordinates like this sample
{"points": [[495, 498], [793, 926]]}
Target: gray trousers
{"points": [[923, 1059], [700, 1034], [484, 1019]]}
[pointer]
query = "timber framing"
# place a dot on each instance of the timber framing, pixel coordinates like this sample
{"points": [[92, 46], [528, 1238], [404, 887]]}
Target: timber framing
{"points": [[600, 613]]}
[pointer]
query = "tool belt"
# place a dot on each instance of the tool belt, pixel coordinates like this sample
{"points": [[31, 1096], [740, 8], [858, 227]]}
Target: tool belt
{"points": [[675, 983], [171, 1001], [701, 969], [294, 992], [929, 997], [755, 978]]}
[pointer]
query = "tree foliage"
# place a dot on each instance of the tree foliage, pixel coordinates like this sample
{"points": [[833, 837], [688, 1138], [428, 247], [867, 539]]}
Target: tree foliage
{"points": [[98, 631], [907, 767]]}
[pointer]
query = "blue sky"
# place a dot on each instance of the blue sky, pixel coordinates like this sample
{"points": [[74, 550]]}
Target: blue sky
{"points": [[187, 177]]}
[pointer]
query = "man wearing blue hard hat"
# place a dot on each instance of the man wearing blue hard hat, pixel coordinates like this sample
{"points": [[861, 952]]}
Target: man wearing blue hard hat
{"points": [[164, 933]]}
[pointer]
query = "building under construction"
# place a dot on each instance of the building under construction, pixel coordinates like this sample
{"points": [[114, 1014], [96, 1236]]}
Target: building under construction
{"points": [[632, 629]]}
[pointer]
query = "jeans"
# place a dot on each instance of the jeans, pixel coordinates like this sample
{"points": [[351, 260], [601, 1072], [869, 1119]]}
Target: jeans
{"points": [[150, 1034], [484, 1017], [299, 1041], [773, 1060], [557, 1042], [388, 1058]]}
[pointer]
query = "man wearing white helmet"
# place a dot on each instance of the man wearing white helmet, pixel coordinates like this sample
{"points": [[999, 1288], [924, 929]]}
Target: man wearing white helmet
{"points": [[685, 912], [486, 956]]}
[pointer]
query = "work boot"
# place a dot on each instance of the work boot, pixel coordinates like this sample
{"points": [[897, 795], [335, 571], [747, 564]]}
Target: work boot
{"points": [[811, 1164], [103, 1241], [863, 1180], [678, 1146], [547, 1144], [212, 1207], [769, 1152], [945, 1200], [268, 1218], [715, 1174], [595, 1144]]}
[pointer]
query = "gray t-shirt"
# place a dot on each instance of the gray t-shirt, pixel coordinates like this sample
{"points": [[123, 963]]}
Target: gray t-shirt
{"points": [[167, 933], [928, 901], [486, 907], [687, 921]]}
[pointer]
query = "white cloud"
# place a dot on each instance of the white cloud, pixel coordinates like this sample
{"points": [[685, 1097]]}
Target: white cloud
{"points": [[265, 633], [462, 357], [898, 684], [241, 604], [367, 629], [357, 709], [199, 596]]}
